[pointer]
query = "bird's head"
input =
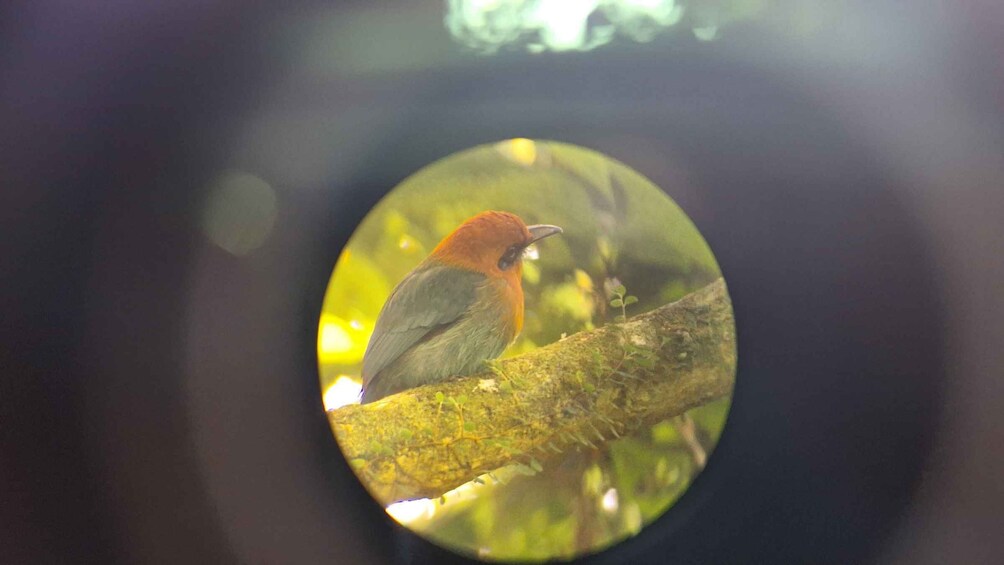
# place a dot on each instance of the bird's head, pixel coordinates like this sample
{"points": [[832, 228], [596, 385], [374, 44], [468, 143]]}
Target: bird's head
{"points": [[492, 243]]}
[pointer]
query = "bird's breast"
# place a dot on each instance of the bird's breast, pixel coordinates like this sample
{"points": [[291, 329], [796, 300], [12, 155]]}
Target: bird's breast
{"points": [[511, 298]]}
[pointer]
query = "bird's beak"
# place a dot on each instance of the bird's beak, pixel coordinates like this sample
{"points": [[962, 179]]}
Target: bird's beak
{"points": [[540, 231]]}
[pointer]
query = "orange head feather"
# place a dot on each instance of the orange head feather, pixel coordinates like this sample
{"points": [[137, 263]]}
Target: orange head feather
{"points": [[492, 243], [480, 242]]}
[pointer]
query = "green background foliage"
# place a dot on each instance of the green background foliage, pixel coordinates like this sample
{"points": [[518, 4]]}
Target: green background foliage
{"points": [[618, 229]]}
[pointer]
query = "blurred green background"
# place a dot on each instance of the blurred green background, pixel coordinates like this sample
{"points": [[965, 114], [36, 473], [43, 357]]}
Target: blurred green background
{"points": [[618, 229]]}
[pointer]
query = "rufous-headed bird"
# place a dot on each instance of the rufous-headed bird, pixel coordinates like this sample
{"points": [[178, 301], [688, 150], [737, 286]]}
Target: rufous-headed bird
{"points": [[459, 307]]}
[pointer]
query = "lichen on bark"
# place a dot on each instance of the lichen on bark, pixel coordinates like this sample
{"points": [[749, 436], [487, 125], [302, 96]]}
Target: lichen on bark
{"points": [[578, 393]]}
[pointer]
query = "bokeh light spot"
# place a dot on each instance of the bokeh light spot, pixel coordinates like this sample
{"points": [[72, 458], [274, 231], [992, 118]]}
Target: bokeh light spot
{"points": [[340, 341], [706, 33], [342, 392], [609, 501], [411, 510], [519, 150], [239, 213], [556, 25]]}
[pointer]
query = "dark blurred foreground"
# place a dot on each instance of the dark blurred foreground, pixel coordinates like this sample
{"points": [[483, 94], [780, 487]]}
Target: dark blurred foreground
{"points": [[159, 398]]}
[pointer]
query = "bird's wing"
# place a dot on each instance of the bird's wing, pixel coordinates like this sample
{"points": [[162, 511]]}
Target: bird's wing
{"points": [[428, 299]]}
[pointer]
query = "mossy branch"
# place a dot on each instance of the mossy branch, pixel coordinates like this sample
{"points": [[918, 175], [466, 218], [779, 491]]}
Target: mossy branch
{"points": [[581, 392]]}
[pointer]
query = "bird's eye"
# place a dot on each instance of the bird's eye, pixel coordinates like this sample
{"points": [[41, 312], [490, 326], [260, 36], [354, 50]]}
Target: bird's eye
{"points": [[510, 256]]}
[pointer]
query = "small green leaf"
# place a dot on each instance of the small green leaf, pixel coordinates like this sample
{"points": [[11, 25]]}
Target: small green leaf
{"points": [[469, 426], [646, 362], [619, 289], [524, 470], [617, 303], [406, 434], [462, 399], [589, 388], [629, 300], [535, 465], [439, 397]]}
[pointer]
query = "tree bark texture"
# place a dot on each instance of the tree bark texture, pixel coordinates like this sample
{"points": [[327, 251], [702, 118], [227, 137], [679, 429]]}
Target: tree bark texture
{"points": [[578, 393]]}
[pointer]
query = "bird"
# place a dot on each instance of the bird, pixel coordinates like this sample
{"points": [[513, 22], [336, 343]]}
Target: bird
{"points": [[461, 306]]}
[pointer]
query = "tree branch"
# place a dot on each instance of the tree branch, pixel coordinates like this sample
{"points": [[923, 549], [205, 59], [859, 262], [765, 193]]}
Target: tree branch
{"points": [[582, 391]]}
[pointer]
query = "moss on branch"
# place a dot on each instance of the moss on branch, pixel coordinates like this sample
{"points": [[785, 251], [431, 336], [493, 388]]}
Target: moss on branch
{"points": [[578, 393]]}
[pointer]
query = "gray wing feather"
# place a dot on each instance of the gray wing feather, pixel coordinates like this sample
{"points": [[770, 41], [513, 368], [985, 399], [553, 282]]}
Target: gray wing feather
{"points": [[429, 298]]}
